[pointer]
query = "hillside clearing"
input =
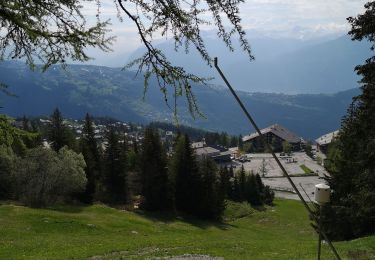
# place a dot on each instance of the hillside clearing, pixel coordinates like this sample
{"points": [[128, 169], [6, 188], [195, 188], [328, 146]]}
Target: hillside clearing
{"points": [[100, 232]]}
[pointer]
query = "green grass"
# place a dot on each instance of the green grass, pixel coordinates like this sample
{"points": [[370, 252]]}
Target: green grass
{"points": [[280, 232], [306, 169]]}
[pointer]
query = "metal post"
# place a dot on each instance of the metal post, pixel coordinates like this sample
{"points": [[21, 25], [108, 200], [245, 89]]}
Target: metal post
{"points": [[273, 154], [319, 231]]}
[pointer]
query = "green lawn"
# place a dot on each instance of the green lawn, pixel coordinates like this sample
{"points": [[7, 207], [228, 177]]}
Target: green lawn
{"points": [[280, 232], [306, 169]]}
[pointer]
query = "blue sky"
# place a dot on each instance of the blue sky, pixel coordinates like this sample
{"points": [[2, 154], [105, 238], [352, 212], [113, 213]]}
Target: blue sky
{"points": [[301, 19]]}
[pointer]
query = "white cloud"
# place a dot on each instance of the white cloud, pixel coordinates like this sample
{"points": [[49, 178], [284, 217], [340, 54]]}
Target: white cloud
{"points": [[301, 19], [317, 16]]}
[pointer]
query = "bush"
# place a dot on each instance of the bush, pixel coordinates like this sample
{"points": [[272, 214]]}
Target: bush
{"points": [[236, 210], [44, 177], [268, 195], [7, 163]]}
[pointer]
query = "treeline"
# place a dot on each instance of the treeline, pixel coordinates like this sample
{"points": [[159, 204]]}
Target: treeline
{"points": [[211, 138], [118, 171], [242, 186]]}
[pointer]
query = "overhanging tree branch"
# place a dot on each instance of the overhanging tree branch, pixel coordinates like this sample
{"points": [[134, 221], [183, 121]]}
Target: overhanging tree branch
{"points": [[183, 20]]}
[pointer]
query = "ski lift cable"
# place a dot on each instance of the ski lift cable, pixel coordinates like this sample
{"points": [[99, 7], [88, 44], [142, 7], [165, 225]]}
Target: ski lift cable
{"points": [[249, 117]]}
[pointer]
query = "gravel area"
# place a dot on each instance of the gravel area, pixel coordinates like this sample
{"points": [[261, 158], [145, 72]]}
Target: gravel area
{"points": [[308, 184], [274, 176]]}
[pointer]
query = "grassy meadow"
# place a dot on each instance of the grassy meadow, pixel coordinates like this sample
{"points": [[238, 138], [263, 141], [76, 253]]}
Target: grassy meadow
{"points": [[101, 232]]}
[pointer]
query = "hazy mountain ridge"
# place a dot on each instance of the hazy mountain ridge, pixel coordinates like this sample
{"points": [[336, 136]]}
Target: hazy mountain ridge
{"points": [[281, 65], [105, 91]]}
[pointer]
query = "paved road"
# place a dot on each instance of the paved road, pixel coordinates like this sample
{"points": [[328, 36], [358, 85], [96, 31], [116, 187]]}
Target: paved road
{"points": [[308, 184], [291, 163]]}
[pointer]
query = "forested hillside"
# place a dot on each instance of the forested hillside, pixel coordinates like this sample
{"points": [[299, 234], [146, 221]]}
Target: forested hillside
{"points": [[104, 91]]}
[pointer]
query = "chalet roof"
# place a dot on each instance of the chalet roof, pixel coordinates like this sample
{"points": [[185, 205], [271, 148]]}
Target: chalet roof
{"points": [[327, 138], [277, 130]]}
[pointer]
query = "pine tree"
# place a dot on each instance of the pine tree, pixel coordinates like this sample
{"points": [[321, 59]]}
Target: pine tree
{"points": [[90, 151], [114, 180], [352, 166], [211, 203], [242, 184], [124, 164], [232, 184], [156, 188], [259, 183], [233, 141], [252, 193], [235, 196], [225, 184], [58, 134], [223, 139], [266, 194], [184, 173], [133, 160], [56, 131]]}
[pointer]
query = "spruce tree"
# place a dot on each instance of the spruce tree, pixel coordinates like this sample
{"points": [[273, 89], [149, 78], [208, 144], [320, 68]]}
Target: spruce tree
{"points": [[225, 184], [232, 184], [233, 141], [259, 183], [58, 134], [114, 180], [352, 166], [183, 170], [133, 166], [124, 164], [156, 188], [242, 184], [266, 194], [211, 202], [90, 151], [236, 196], [252, 193]]}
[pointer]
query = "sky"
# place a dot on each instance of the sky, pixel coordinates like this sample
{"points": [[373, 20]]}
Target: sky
{"points": [[301, 19]]}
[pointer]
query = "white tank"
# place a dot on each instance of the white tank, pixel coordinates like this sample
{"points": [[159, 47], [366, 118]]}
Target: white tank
{"points": [[322, 193]]}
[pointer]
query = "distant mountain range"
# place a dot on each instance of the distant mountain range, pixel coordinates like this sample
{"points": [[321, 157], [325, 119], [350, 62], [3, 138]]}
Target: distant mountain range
{"points": [[282, 65], [104, 91]]}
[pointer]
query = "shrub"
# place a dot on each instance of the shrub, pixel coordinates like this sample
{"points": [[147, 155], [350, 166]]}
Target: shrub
{"points": [[7, 163], [44, 177]]}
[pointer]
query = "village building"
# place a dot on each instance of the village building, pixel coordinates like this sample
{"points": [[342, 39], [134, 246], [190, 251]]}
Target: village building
{"points": [[197, 145], [323, 142], [206, 152], [218, 154], [274, 135]]}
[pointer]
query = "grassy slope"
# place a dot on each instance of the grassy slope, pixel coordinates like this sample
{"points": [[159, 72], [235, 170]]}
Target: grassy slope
{"points": [[282, 232], [306, 169]]}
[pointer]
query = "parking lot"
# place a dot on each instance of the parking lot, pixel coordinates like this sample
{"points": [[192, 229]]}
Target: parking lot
{"points": [[274, 178]]}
